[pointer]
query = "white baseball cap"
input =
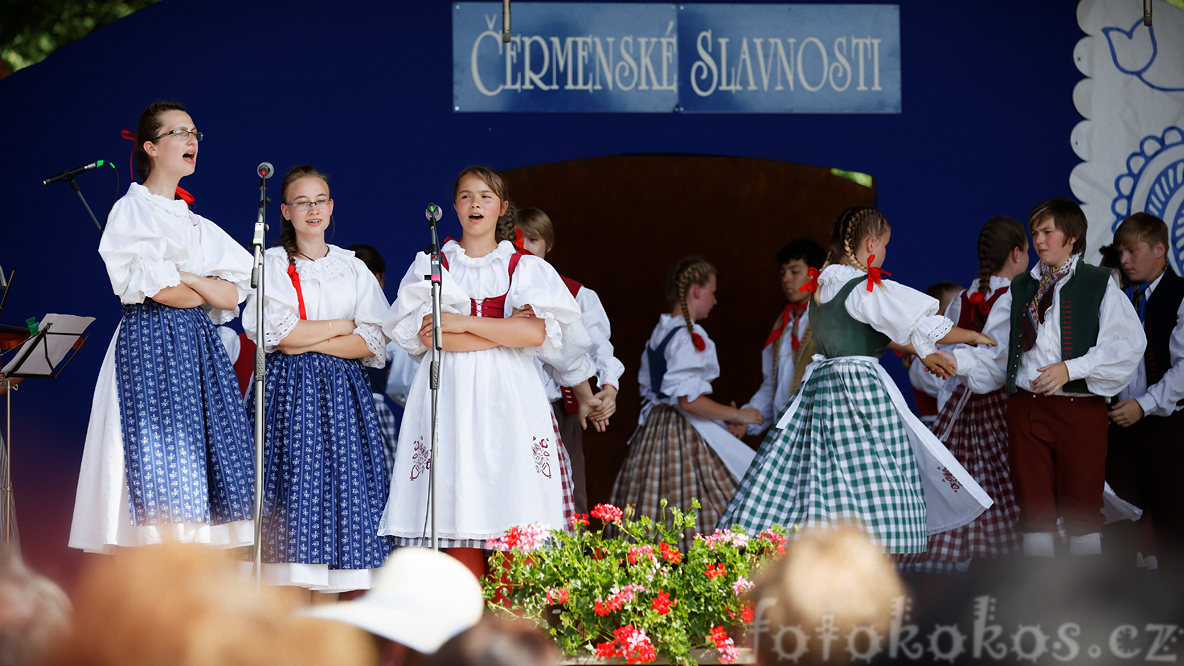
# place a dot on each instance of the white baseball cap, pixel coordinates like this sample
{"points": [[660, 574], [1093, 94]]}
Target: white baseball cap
{"points": [[421, 598]]}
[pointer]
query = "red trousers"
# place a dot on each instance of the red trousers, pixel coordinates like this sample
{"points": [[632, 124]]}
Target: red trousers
{"points": [[1058, 460]]}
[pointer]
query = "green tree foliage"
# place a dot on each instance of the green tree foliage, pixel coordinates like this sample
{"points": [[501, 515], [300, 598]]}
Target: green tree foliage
{"points": [[30, 30]]}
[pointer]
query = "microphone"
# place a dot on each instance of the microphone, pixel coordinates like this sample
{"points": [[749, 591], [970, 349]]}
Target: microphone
{"points": [[70, 173], [433, 213], [265, 170]]}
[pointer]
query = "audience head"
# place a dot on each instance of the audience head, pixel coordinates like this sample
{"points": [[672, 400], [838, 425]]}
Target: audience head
{"points": [[498, 641]]}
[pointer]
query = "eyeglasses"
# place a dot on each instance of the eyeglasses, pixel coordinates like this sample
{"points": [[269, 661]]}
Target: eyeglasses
{"points": [[306, 205], [182, 133]]}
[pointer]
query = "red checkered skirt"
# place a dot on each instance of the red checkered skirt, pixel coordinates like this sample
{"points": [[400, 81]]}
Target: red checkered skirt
{"points": [[669, 459], [978, 439]]}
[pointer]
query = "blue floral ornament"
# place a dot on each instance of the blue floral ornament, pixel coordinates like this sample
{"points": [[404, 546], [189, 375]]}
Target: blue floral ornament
{"points": [[1154, 182]]}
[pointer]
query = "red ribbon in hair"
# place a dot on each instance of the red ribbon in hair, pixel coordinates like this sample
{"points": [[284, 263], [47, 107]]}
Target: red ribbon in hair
{"points": [[182, 193], [697, 340], [978, 299], [518, 242], [812, 284], [873, 273]]}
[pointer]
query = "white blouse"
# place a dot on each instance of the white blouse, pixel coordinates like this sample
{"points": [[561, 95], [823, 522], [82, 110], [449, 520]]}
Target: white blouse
{"points": [[771, 399], [150, 239], [689, 372], [1107, 367], [535, 283], [336, 286], [594, 323], [902, 313]]}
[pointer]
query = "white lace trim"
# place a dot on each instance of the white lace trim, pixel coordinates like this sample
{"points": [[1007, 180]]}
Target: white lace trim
{"points": [[375, 342], [277, 329], [338, 263], [503, 251]]}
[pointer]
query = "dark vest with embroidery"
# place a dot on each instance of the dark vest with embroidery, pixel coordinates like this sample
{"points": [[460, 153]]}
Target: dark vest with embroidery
{"points": [[1159, 320], [493, 306], [1080, 308], [837, 333]]}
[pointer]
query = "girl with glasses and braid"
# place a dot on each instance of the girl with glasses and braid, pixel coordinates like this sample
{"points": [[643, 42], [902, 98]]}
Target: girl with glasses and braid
{"points": [[325, 479], [500, 461], [168, 453], [682, 448], [847, 448]]}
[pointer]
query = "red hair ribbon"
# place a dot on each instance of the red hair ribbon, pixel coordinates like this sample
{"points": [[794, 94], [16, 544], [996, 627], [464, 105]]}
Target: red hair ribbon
{"points": [[698, 341], [182, 193], [518, 242], [812, 284], [978, 299], [873, 273]]}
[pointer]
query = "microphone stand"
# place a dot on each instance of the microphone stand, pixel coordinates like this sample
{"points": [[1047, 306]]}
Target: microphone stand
{"points": [[78, 191], [260, 371], [433, 215]]}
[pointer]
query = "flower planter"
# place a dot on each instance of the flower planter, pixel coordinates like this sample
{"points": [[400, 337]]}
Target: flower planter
{"points": [[703, 656]]}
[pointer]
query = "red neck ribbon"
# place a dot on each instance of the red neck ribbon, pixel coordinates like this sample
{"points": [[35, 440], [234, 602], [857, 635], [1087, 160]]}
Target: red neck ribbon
{"points": [[791, 313], [873, 273], [295, 277]]}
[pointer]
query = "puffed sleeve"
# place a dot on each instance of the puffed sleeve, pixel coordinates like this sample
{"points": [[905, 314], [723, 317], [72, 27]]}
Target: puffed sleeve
{"points": [[369, 313], [222, 257], [904, 314], [414, 302], [689, 372], [608, 368], [984, 369], [536, 284], [281, 309], [133, 247]]}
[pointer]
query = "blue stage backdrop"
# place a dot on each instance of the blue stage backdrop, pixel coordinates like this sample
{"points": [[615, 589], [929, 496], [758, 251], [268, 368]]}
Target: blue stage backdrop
{"points": [[364, 90]]}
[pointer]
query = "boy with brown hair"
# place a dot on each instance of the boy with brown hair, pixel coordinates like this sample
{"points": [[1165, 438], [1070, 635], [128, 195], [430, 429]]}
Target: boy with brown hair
{"points": [[1145, 456], [1072, 342]]}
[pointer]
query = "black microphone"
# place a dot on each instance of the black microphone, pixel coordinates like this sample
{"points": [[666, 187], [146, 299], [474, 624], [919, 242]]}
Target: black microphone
{"points": [[70, 173], [433, 213], [265, 170]]}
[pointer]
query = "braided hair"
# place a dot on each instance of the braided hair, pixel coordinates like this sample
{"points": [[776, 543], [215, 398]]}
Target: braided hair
{"points": [[855, 225], [689, 271], [288, 235], [506, 229], [998, 237]]}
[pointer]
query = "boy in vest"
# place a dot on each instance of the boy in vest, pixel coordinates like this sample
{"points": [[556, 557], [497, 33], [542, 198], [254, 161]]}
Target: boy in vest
{"points": [[790, 344], [1073, 341], [1145, 457]]}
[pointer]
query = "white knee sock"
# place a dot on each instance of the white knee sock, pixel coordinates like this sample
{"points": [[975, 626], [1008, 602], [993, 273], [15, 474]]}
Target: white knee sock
{"points": [[1039, 544]]}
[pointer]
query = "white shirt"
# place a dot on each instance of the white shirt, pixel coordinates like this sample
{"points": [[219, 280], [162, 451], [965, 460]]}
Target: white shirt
{"points": [[1107, 367], [771, 399], [150, 239], [954, 313], [905, 315], [595, 324], [1161, 398], [336, 286]]}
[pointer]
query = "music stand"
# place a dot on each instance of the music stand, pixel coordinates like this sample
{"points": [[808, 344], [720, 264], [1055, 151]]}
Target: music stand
{"points": [[45, 354]]}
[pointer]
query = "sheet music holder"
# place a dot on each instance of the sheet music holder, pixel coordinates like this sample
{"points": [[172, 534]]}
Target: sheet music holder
{"points": [[46, 355]]}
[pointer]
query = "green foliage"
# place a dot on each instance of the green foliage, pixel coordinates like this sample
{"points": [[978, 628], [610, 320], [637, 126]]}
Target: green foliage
{"points": [[30, 30], [626, 590]]}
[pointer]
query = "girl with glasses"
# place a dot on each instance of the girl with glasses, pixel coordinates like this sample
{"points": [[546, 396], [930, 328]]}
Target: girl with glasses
{"points": [[325, 479], [168, 452]]}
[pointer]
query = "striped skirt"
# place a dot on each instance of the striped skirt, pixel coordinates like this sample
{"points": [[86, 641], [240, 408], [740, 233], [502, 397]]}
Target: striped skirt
{"points": [[325, 479], [188, 449], [843, 456], [669, 459], [978, 439]]}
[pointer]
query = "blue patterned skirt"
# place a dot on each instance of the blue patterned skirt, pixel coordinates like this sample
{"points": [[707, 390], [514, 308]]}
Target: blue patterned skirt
{"points": [[325, 479], [188, 450]]}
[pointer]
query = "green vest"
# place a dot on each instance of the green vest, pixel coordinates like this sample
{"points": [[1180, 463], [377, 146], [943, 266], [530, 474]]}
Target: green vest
{"points": [[1080, 305], [836, 333]]}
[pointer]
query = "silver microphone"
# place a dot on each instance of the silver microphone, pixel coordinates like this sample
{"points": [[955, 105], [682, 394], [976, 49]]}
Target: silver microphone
{"points": [[265, 170], [433, 213]]}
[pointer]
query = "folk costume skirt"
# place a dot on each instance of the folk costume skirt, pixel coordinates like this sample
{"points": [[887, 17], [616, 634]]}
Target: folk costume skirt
{"points": [[668, 459], [325, 479], [974, 428], [168, 452]]}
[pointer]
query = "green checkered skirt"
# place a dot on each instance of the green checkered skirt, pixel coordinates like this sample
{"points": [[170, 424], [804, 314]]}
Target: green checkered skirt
{"points": [[843, 456]]}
